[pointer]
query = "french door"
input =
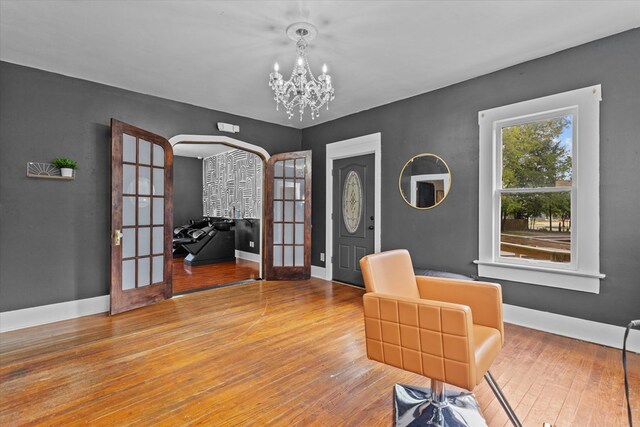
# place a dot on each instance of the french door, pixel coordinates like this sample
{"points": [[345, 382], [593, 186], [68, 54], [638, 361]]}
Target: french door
{"points": [[288, 216], [141, 217]]}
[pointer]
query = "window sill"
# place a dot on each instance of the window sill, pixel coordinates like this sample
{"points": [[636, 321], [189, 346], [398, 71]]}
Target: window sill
{"points": [[565, 279]]}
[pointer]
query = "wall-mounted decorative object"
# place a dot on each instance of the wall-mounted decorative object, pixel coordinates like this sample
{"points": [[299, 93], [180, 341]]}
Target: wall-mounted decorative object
{"points": [[66, 166], [232, 185], [46, 170], [425, 181]]}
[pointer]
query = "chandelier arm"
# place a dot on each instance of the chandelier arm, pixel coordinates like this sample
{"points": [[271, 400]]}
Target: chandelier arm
{"points": [[313, 78]]}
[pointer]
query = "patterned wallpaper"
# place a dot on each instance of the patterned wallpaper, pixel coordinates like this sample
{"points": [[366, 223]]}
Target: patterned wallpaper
{"points": [[232, 182]]}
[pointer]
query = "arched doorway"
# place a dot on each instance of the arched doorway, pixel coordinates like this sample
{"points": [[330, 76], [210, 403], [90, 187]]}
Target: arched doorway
{"points": [[142, 213], [195, 140]]}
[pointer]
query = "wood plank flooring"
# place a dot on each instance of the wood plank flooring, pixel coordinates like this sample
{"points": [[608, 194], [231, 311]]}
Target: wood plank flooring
{"points": [[274, 353], [187, 278]]}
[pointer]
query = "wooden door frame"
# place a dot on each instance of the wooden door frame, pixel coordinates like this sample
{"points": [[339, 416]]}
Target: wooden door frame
{"points": [[119, 301], [291, 272], [367, 144], [240, 145]]}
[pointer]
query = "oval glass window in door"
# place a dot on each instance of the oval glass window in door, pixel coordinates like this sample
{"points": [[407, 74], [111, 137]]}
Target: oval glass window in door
{"points": [[352, 202]]}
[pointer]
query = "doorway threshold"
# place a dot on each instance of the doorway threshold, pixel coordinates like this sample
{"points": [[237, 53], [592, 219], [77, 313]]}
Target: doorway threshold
{"points": [[223, 285]]}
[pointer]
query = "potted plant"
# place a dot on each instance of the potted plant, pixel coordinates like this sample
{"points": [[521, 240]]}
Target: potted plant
{"points": [[65, 165]]}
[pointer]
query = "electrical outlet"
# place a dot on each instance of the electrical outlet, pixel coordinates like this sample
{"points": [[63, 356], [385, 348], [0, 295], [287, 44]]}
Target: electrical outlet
{"points": [[322, 256], [250, 243]]}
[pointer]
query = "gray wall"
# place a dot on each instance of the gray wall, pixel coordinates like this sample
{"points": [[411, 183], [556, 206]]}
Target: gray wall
{"points": [[445, 122], [187, 189], [248, 230], [54, 235]]}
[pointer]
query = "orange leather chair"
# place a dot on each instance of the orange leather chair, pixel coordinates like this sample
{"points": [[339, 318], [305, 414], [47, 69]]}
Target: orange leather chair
{"points": [[448, 330]]}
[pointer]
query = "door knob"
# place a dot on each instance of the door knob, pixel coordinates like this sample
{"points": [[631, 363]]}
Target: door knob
{"points": [[117, 237], [371, 227]]}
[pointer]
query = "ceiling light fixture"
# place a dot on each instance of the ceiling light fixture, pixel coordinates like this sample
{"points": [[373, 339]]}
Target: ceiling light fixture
{"points": [[301, 90]]}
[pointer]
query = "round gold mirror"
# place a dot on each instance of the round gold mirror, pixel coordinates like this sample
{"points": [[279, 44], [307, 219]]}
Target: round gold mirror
{"points": [[425, 181]]}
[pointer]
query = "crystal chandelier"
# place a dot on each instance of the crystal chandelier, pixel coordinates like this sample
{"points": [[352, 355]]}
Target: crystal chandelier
{"points": [[302, 89]]}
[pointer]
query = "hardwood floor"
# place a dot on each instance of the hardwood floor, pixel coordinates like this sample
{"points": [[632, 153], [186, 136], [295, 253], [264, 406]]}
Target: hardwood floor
{"points": [[274, 353], [187, 278]]}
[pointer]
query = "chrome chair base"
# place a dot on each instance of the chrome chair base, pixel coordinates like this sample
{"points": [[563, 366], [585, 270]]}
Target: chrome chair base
{"points": [[415, 406]]}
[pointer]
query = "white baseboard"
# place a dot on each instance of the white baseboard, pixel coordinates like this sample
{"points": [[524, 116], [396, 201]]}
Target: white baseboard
{"points": [[34, 316], [319, 272], [248, 256], [572, 327]]}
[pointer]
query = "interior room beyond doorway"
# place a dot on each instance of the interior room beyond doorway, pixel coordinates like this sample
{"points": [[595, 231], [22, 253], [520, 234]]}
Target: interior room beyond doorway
{"points": [[217, 215]]}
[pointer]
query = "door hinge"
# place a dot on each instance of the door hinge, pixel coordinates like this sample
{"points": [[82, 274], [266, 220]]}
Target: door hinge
{"points": [[331, 215]]}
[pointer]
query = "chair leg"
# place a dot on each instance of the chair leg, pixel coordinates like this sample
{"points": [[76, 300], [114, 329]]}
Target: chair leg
{"points": [[435, 407], [503, 400]]}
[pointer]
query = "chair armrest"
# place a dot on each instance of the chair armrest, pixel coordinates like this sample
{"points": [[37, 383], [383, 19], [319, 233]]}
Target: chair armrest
{"points": [[484, 298], [431, 338]]}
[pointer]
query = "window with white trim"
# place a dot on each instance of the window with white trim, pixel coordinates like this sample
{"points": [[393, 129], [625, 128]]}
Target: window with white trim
{"points": [[539, 191]]}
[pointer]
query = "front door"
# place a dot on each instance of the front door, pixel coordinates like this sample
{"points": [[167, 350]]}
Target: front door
{"points": [[353, 208], [141, 217], [288, 216]]}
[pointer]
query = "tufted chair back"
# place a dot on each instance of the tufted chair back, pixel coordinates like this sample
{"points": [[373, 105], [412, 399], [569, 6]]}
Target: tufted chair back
{"points": [[390, 273]]}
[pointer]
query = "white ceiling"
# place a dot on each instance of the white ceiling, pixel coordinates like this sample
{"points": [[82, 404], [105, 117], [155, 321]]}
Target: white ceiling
{"points": [[218, 54]]}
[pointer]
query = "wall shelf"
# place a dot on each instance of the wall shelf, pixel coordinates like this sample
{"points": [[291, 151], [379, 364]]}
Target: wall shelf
{"points": [[46, 170]]}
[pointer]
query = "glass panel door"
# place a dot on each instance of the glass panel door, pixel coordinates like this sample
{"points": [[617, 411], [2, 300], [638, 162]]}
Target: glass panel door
{"points": [[143, 186], [288, 216], [141, 212]]}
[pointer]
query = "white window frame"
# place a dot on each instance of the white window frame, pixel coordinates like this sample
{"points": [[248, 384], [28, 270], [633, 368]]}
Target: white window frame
{"points": [[583, 272]]}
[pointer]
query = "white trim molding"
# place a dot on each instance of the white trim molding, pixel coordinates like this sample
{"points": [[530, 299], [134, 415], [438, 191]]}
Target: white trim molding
{"points": [[319, 272], [248, 256], [367, 144], [34, 316], [583, 272], [221, 139], [572, 327]]}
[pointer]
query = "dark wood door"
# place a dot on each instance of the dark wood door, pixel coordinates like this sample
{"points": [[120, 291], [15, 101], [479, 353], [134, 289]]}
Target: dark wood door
{"points": [[288, 217], [141, 217], [353, 209]]}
